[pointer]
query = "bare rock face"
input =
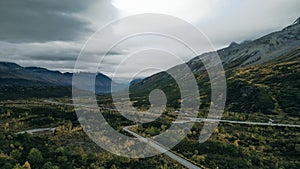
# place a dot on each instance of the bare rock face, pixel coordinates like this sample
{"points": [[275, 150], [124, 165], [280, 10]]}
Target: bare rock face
{"points": [[297, 21], [255, 52]]}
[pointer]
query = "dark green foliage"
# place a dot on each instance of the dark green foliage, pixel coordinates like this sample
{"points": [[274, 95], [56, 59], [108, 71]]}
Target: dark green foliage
{"points": [[68, 148], [270, 89], [139, 92], [35, 157], [20, 92], [49, 165]]}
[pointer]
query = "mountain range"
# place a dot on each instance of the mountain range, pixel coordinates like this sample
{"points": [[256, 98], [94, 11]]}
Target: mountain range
{"points": [[19, 82], [262, 75], [275, 48]]}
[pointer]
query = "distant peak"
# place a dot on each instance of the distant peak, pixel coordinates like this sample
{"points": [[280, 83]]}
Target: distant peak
{"points": [[135, 81], [10, 65], [233, 44], [297, 21], [33, 68], [246, 42]]}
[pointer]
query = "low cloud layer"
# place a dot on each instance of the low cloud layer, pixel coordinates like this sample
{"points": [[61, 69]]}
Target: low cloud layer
{"points": [[51, 33]]}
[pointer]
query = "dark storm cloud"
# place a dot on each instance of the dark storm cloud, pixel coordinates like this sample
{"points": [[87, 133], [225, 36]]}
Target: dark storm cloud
{"points": [[65, 55], [51, 33], [42, 20], [52, 55]]}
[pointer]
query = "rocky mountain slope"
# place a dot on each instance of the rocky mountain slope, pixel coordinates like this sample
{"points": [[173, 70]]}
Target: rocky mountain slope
{"points": [[262, 76], [255, 52]]}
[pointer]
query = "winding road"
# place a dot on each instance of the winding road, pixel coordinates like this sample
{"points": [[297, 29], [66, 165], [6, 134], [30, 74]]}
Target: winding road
{"points": [[147, 140], [159, 147], [193, 120]]}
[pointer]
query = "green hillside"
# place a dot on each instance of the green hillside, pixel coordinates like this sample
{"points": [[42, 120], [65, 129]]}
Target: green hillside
{"points": [[270, 88]]}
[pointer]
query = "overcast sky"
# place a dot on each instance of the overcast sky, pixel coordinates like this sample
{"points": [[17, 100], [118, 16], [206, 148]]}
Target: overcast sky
{"points": [[51, 33]]}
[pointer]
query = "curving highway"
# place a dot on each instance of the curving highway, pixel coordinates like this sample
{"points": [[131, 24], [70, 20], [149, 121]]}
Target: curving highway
{"points": [[162, 149], [199, 120]]}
